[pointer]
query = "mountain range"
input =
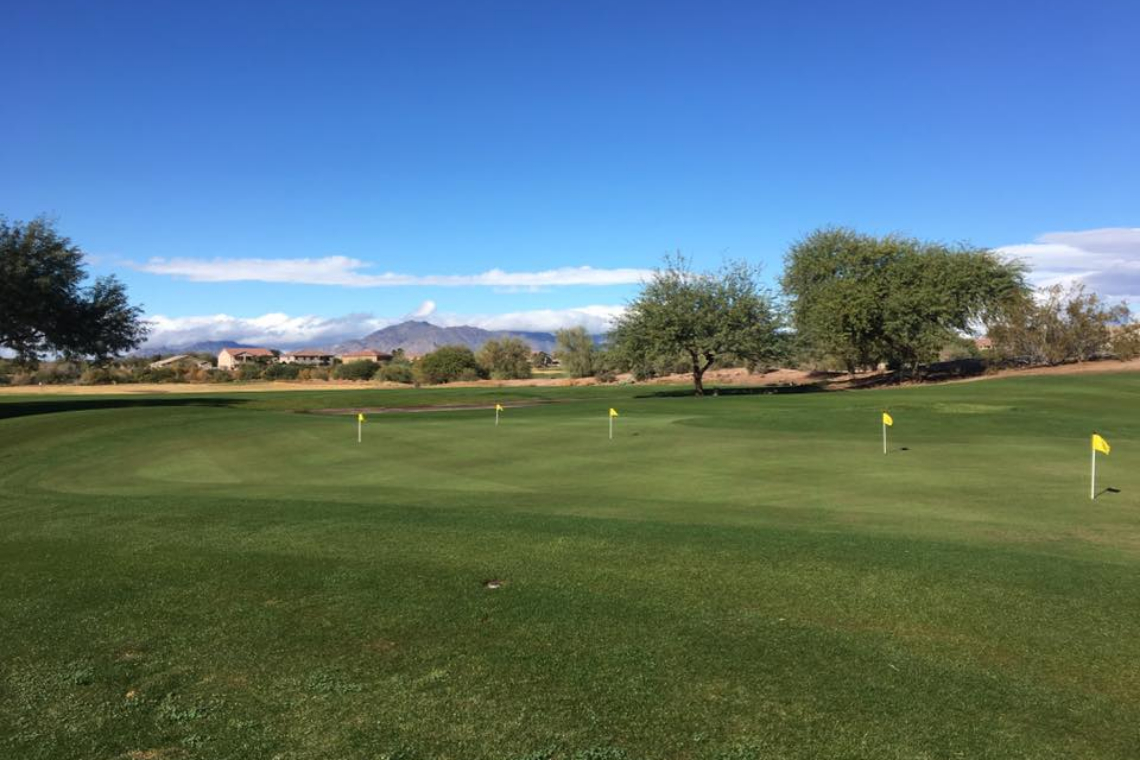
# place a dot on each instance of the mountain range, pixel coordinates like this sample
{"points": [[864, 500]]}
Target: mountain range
{"points": [[415, 337], [418, 338]]}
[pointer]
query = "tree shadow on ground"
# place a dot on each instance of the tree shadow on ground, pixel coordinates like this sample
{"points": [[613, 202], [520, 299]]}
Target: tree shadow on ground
{"points": [[11, 410], [750, 390]]}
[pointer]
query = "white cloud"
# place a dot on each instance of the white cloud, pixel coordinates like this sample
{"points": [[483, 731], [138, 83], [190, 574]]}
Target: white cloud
{"points": [[596, 319], [348, 272], [282, 330], [1107, 260], [425, 309], [268, 329]]}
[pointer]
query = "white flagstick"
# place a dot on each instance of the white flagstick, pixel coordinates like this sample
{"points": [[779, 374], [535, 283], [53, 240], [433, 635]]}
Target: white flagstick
{"points": [[1092, 488], [884, 436], [359, 428], [496, 415], [611, 427]]}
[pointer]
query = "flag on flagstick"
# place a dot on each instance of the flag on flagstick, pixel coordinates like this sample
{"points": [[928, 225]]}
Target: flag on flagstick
{"points": [[359, 425], [613, 413], [498, 408], [1101, 445], [888, 421]]}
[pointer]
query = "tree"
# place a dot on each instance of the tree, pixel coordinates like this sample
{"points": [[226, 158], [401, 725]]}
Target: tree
{"points": [[1061, 324], [506, 358], [448, 364], [574, 349], [700, 315], [864, 299], [45, 306]]}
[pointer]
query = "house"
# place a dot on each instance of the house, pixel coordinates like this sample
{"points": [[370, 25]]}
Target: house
{"points": [[308, 356], [983, 344], [181, 360], [232, 358], [367, 355]]}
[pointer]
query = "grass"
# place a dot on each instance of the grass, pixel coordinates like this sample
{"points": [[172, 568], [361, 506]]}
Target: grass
{"points": [[745, 576]]}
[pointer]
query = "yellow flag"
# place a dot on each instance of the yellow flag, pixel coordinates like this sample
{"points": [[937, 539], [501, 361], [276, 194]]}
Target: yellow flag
{"points": [[613, 412], [888, 420], [360, 416], [1099, 444], [498, 407]]}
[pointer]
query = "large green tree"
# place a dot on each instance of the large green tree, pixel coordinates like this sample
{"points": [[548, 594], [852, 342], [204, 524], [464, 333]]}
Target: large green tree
{"points": [[702, 316], [46, 305], [864, 299]]}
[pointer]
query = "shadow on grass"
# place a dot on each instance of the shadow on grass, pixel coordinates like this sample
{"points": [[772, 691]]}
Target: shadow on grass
{"points": [[756, 390], [58, 405]]}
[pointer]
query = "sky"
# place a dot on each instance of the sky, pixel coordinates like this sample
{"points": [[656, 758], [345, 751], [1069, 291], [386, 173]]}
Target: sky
{"points": [[284, 173]]}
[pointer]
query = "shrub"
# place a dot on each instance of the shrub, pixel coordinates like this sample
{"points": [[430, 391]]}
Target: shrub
{"points": [[506, 359], [1126, 342], [360, 370], [448, 364], [397, 372], [575, 351], [282, 372], [96, 376], [251, 371]]}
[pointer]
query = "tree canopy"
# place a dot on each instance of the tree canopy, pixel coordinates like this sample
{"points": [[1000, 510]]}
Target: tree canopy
{"points": [[575, 351], [506, 358], [45, 307], [448, 364], [864, 299], [702, 316], [1063, 324]]}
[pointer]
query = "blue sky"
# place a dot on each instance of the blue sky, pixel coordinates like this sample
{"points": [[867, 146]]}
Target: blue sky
{"points": [[189, 147]]}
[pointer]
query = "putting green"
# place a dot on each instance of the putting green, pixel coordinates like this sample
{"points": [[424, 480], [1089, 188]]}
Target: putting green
{"points": [[747, 575]]}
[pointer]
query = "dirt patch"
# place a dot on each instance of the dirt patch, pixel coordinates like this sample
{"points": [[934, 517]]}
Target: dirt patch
{"points": [[722, 377], [380, 646]]}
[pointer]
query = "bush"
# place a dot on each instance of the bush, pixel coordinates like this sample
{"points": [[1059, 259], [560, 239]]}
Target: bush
{"points": [[397, 372], [282, 372], [448, 364], [251, 371], [575, 351], [1126, 342], [506, 359], [96, 376], [360, 370], [54, 373]]}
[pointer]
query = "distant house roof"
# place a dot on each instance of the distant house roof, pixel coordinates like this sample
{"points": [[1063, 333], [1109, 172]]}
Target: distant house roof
{"points": [[247, 351], [254, 351], [983, 343], [309, 352], [368, 352]]}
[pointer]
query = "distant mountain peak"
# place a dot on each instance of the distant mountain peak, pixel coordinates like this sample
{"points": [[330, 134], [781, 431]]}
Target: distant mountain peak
{"points": [[417, 337]]}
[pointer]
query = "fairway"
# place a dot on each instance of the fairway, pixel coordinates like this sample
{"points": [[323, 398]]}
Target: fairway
{"points": [[741, 576]]}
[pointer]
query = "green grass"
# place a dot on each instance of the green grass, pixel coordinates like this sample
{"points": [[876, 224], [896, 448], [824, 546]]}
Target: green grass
{"points": [[745, 576]]}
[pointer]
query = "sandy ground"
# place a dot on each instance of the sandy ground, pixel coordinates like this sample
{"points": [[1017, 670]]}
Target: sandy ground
{"points": [[713, 378]]}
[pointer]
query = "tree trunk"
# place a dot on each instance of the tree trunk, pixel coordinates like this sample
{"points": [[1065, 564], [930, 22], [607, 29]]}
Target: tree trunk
{"points": [[699, 371]]}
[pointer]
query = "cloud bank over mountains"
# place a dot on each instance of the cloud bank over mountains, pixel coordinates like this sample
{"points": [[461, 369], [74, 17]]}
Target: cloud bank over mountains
{"points": [[279, 329], [1107, 260]]}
